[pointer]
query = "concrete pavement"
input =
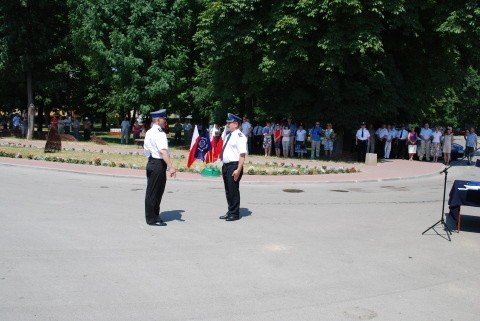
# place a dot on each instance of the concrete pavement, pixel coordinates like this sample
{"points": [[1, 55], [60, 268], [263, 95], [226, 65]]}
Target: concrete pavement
{"points": [[76, 247]]}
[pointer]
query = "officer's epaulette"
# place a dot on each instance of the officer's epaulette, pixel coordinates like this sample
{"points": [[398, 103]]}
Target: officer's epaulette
{"points": [[240, 135]]}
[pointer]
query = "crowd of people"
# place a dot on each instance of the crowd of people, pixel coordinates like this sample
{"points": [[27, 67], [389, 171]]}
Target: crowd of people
{"points": [[288, 139], [411, 142], [16, 122], [71, 126]]}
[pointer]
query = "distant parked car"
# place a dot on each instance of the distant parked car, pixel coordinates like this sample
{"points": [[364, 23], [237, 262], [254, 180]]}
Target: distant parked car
{"points": [[457, 151], [460, 132]]}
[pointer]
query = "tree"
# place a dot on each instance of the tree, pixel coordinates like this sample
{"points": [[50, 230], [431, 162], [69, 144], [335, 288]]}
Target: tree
{"points": [[34, 39], [342, 60], [138, 51]]}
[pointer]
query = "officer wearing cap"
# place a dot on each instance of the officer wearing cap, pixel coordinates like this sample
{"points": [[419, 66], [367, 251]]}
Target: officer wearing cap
{"points": [[233, 156], [361, 139], [156, 149]]}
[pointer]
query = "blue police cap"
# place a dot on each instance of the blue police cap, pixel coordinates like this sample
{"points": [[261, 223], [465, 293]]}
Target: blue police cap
{"points": [[159, 113], [231, 117]]}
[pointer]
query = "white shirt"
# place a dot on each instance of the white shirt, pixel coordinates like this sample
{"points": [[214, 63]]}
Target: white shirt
{"points": [[390, 134], [366, 134], [425, 133], [285, 135], [301, 133], [234, 146], [402, 134], [436, 137], [258, 130], [381, 133], [246, 128], [155, 141]]}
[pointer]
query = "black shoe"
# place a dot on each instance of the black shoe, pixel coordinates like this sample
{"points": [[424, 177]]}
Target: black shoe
{"points": [[224, 217], [158, 223], [232, 218]]}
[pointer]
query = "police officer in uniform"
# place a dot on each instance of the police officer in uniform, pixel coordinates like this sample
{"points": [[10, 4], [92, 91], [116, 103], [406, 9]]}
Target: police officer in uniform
{"points": [[156, 149], [361, 139], [233, 156]]}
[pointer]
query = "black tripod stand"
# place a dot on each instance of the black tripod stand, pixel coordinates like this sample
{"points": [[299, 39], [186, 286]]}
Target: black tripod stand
{"points": [[442, 218]]}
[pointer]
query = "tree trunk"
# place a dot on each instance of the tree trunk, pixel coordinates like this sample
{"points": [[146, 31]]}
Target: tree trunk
{"points": [[31, 107]]}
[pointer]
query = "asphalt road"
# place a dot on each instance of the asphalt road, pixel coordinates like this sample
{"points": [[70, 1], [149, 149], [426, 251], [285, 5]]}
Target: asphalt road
{"points": [[75, 247]]}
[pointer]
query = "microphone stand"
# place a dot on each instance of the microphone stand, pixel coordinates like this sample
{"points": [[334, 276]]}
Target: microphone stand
{"points": [[442, 219]]}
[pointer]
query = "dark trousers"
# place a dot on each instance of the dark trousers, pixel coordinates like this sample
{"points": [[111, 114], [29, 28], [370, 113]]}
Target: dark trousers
{"points": [[156, 180], [258, 144], [361, 150], [232, 190], [380, 148], [86, 134], [402, 148]]}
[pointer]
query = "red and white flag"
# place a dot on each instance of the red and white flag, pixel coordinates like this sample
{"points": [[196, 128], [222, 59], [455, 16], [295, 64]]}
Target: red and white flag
{"points": [[217, 145], [199, 146]]}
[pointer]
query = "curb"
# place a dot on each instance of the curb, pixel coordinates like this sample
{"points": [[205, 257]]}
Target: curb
{"points": [[247, 179]]}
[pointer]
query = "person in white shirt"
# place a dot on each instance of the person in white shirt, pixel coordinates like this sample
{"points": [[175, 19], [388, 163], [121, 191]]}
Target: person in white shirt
{"points": [[300, 138], [436, 142], [389, 136], [247, 131], [381, 134], [361, 138], [425, 138], [233, 156], [156, 149]]}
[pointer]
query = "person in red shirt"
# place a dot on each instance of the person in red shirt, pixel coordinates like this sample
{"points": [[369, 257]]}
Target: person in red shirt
{"points": [[277, 139]]}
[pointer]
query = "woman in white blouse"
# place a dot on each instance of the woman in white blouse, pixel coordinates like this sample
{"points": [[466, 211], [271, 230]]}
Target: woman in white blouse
{"points": [[437, 136], [285, 140]]}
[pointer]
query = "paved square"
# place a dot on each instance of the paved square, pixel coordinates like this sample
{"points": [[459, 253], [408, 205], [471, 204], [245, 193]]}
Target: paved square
{"points": [[76, 247]]}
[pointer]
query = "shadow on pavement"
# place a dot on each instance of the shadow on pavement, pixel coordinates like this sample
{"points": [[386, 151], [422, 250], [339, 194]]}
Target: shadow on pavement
{"points": [[469, 223], [245, 212], [175, 215]]}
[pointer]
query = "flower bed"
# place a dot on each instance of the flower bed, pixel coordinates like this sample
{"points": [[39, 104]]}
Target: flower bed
{"points": [[133, 159]]}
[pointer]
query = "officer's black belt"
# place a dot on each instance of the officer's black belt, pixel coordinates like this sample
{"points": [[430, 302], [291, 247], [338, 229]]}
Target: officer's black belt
{"points": [[231, 164]]}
